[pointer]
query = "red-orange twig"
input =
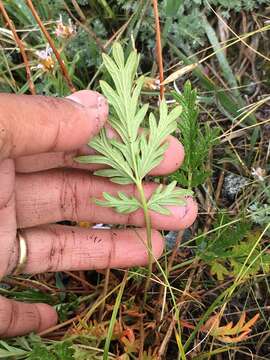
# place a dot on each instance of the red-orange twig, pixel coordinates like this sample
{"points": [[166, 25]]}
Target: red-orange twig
{"points": [[50, 41], [159, 48], [21, 47]]}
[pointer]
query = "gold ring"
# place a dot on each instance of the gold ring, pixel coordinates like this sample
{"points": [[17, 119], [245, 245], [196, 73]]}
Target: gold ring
{"points": [[22, 257]]}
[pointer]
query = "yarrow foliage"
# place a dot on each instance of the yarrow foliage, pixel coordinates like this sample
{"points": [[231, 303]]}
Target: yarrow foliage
{"points": [[131, 157]]}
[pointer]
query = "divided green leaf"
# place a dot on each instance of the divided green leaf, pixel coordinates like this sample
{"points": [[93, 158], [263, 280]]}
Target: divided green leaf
{"points": [[167, 195], [122, 203], [227, 249], [133, 153]]}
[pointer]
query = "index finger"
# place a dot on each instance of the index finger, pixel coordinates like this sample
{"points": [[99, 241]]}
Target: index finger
{"points": [[172, 160], [36, 124]]}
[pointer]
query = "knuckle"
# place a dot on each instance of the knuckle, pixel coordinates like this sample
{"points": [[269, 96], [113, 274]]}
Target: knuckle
{"points": [[7, 315], [55, 250], [18, 318], [10, 256], [112, 250], [68, 200], [5, 141], [7, 182], [75, 187]]}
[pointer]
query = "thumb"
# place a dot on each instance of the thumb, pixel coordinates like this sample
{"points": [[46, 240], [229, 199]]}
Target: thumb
{"points": [[37, 124]]}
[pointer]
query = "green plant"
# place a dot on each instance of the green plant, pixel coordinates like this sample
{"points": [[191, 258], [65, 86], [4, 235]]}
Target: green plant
{"points": [[228, 45], [33, 348], [183, 21], [137, 152], [197, 141], [260, 206], [227, 249]]}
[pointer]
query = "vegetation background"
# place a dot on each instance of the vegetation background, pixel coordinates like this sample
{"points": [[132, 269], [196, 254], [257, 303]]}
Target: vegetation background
{"points": [[210, 293]]}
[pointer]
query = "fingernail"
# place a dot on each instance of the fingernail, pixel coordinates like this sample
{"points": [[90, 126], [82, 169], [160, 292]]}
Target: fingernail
{"points": [[92, 100], [89, 99]]}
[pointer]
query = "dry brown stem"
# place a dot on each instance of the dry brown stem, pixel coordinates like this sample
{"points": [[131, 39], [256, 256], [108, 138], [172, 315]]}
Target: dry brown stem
{"points": [[51, 43], [159, 48], [21, 47]]}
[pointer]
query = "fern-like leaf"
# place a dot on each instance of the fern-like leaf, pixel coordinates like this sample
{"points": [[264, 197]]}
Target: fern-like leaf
{"points": [[131, 157], [122, 204], [167, 195]]}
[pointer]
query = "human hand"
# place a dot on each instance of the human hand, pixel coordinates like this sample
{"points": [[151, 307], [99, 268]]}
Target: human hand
{"points": [[40, 185]]}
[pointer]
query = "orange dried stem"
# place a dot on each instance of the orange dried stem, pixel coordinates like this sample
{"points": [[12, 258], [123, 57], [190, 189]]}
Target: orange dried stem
{"points": [[51, 43], [21, 47], [159, 48]]}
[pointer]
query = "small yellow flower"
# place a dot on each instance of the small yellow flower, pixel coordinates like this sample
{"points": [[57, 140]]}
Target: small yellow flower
{"points": [[46, 61]]}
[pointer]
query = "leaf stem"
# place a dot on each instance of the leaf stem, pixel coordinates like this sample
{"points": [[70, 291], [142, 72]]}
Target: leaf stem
{"points": [[148, 225]]}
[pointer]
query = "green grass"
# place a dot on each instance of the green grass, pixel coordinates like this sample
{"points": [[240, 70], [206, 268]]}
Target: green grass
{"points": [[222, 266]]}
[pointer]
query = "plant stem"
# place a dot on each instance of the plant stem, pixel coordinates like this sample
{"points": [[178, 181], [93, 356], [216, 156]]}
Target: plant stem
{"points": [[159, 48], [105, 291], [148, 225], [52, 45], [21, 47], [113, 317], [189, 178]]}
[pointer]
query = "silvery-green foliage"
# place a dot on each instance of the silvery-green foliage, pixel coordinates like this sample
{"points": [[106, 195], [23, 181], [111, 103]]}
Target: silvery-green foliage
{"points": [[167, 195], [122, 203], [131, 157]]}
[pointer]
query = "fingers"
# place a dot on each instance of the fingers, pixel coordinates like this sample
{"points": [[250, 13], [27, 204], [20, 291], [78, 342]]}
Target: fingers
{"points": [[58, 195], [172, 160], [15, 318], [60, 248], [37, 124], [18, 318], [7, 215]]}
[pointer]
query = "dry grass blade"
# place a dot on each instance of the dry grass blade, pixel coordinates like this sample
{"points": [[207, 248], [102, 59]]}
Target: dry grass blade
{"points": [[159, 48], [179, 73], [21, 47], [236, 35]]}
